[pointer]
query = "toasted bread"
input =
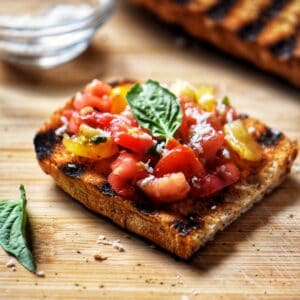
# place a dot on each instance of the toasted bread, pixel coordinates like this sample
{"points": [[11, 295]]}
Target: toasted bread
{"points": [[181, 228], [264, 32]]}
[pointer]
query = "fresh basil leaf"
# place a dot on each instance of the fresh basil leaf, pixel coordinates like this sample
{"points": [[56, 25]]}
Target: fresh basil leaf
{"points": [[98, 139], [226, 100], [155, 108], [12, 230]]}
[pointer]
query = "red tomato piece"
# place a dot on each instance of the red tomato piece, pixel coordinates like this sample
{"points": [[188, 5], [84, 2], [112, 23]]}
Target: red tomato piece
{"points": [[171, 143], [167, 189], [228, 172], [98, 120], [98, 88], [206, 186], [206, 141], [180, 159], [74, 120], [129, 137], [82, 100], [190, 115], [126, 170], [224, 175], [129, 116]]}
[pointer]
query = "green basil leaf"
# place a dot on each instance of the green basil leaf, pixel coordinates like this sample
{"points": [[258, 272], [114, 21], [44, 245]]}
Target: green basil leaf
{"points": [[155, 108], [12, 230], [226, 100]]}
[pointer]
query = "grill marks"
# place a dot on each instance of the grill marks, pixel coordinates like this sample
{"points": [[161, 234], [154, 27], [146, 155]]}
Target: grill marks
{"points": [[73, 170], [44, 143], [244, 13], [106, 189], [252, 30], [270, 137], [284, 48], [283, 26], [188, 224], [271, 23], [220, 10]]}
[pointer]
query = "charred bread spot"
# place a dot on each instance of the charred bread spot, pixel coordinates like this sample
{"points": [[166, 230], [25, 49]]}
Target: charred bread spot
{"points": [[251, 31], [269, 138], [186, 225], [106, 189], [115, 83], [145, 208], [284, 48], [44, 143], [243, 116], [183, 2], [221, 9], [72, 169]]}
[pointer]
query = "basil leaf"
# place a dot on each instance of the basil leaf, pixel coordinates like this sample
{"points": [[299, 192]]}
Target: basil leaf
{"points": [[226, 100], [98, 139], [12, 230], [155, 108]]}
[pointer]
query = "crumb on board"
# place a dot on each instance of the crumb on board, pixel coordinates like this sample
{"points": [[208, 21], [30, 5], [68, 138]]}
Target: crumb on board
{"points": [[116, 244], [101, 237], [11, 263], [40, 274], [291, 216], [99, 257]]}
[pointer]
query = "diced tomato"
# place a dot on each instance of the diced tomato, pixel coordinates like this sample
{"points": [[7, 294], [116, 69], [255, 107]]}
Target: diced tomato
{"points": [[206, 141], [171, 143], [167, 189], [82, 100], [180, 159], [190, 115], [74, 120], [98, 88], [228, 172], [226, 113], [95, 120], [224, 175], [129, 116], [98, 120], [129, 137], [206, 186], [126, 170]]}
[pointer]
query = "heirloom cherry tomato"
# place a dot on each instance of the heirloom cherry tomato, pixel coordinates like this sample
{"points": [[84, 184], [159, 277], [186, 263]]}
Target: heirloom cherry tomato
{"points": [[167, 189], [179, 159]]}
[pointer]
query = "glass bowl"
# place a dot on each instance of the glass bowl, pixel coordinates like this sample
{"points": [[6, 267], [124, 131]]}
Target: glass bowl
{"points": [[45, 34]]}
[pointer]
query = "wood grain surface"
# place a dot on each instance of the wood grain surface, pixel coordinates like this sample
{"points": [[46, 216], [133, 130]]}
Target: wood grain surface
{"points": [[256, 257]]}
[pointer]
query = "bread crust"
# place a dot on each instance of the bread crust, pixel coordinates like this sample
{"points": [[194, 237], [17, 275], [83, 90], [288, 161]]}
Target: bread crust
{"points": [[181, 228], [272, 50]]}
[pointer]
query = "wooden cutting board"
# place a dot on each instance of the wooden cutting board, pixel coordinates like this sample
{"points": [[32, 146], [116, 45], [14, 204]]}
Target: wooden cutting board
{"points": [[256, 257]]}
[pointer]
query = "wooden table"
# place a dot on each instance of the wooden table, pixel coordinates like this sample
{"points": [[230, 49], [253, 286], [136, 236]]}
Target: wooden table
{"points": [[257, 257]]}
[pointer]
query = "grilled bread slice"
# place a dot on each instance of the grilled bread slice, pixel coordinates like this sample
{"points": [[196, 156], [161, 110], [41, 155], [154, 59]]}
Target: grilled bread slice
{"points": [[183, 227], [264, 32]]}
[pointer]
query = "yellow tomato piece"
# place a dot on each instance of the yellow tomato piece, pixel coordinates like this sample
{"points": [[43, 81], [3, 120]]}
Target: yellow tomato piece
{"points": [[90, 150], [241, 141], [206, 98], [118, 96], [183, 88], [88, 131]]}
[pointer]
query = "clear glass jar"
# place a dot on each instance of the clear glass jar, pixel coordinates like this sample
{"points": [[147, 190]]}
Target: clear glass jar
{"points": [[47, 33]]}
